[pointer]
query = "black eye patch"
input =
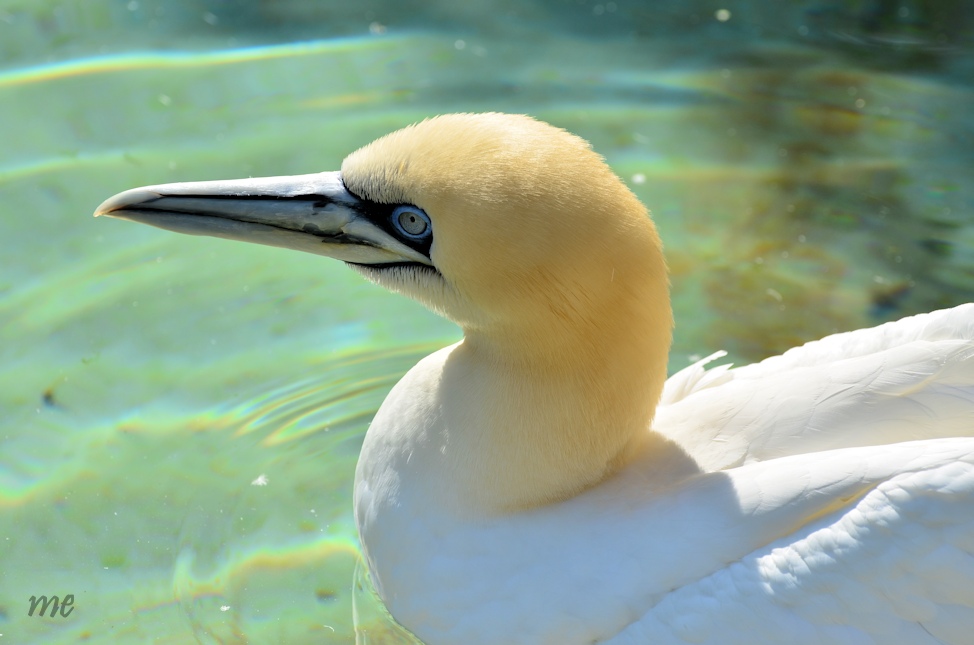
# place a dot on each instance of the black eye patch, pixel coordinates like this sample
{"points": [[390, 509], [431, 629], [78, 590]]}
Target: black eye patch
{"points": [[396, 219]]}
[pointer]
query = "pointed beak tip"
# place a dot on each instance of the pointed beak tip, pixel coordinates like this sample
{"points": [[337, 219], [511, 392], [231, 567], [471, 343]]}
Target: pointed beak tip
{"points": [[104, 209], [123, 200]]}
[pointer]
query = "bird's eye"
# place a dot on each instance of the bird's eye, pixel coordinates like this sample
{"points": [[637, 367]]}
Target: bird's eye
{"points": [[411, 221]]}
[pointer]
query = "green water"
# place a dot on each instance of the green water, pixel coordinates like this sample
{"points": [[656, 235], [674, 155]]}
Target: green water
{"points": [[180, 417]]}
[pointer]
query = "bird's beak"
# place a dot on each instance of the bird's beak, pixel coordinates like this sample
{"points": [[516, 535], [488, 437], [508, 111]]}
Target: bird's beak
{"points": [[313, 213]]}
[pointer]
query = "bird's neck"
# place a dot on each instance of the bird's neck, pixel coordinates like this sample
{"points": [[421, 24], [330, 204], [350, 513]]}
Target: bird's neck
{"points": [[539, 415], [547, 398]]}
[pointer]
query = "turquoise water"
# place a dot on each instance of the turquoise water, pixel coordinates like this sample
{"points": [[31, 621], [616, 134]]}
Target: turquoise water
{"points": [[180, 417]]}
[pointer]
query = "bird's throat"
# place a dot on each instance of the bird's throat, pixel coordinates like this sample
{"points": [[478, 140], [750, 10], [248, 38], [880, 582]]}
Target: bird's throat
{"points": [[538, 428]]}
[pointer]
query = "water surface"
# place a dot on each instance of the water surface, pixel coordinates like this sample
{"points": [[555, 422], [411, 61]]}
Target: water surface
{"points": [[180, 417]]}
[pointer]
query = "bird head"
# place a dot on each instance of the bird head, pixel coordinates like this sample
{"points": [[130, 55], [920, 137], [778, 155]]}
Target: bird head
{"points": [[507, 225]]}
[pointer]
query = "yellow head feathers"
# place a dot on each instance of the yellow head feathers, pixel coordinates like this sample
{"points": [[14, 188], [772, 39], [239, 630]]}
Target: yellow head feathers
{"points": [[531, 229]]}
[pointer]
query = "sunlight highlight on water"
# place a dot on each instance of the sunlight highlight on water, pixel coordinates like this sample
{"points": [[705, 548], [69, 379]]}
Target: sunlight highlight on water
{"points": [[177, 59]]}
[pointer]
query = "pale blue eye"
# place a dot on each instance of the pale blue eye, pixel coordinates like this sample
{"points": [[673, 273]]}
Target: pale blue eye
{"points": [[412, 222]]}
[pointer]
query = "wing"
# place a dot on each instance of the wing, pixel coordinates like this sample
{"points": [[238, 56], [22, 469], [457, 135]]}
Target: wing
{"points": [[902, 381], [895, 567]]}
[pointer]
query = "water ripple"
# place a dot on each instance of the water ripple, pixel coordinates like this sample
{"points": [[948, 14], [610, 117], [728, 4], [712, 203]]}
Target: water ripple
{"points": [[175, 59]]}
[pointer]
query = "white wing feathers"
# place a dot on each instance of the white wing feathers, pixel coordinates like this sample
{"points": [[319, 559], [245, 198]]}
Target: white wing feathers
{"points": [[896, 567], [908, 380], [695, 377]]}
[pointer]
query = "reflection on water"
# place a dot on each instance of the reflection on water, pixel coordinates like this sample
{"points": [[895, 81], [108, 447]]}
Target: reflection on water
{"points": [[234, 522], [273, 560], [373, 624], [181, 416]]}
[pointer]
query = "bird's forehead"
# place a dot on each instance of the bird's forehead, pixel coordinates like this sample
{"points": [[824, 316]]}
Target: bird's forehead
{"points": [[474, 156]]}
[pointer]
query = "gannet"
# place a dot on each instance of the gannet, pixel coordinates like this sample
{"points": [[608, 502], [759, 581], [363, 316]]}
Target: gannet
{"points": [[541, 481]]}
